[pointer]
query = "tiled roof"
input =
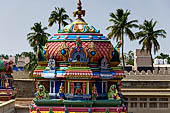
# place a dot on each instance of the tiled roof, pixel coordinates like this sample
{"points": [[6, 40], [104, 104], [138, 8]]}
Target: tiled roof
{"points": [[102, 49]]}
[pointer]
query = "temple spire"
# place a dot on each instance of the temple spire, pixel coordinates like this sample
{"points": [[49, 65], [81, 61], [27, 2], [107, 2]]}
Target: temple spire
{"points": [[79, 11]]}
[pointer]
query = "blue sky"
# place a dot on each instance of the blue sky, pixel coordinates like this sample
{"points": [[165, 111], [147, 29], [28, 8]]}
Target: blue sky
{"points": [[18, 16]]}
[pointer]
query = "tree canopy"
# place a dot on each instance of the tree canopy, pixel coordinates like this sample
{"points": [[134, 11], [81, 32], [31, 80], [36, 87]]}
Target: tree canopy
{"points": [[148, 36], [58, 15], [38, 35], [121, 26]]}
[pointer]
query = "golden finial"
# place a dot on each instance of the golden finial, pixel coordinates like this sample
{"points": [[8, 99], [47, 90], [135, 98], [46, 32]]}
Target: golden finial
{"points": [[79, 11]]}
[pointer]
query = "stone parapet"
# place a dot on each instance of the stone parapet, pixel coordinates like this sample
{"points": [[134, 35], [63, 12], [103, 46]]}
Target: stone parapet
{"points": [[7, 107], [155, 72]]}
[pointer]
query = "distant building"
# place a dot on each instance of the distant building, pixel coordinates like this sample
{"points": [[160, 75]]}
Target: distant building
{"points": [[22, 61], [12, 58], [142, 60], [161, 64]]}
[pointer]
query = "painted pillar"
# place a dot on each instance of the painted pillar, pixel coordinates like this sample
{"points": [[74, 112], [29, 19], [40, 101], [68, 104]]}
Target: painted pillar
{"points": [[106, 88], [72, 87], [68, 86], [84, 88], [102, 86], [65, 85], [52, 86], [87, 88]]}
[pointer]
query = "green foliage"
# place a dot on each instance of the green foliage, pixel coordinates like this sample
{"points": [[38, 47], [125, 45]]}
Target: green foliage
{"points": [[163, 56], [129, 58], [59, 16], [38, 36], [148, 36], [4, 56], [32, 63], [121, 26], [16, 58]]}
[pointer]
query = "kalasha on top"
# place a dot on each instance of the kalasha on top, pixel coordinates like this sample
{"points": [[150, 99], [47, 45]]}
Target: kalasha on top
{"points": [[78, 72]]}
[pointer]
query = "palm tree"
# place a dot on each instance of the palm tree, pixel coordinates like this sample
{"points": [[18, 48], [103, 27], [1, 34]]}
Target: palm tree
{"points": [[120, 27], [59, 16], [148, 37], [38, 34]]}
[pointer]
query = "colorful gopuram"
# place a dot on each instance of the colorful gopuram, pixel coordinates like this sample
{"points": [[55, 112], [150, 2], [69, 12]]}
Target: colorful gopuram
{"points": [[7, 91], [78, 72]]}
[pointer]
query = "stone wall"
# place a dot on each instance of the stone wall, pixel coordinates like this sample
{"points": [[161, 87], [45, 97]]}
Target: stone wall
{"points": [[26, 88]]}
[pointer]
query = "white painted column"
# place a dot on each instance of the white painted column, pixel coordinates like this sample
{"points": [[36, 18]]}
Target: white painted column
{"points": [[50, 87], [54, 86], [102, 86]]}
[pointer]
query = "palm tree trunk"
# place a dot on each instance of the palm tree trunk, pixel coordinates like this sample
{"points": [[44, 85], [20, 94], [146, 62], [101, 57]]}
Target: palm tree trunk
{"points": [[123, 51], [59, 25], [150, 52]]}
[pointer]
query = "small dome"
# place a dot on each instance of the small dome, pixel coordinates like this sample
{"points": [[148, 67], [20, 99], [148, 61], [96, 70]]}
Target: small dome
{"points": [[79, 26]]}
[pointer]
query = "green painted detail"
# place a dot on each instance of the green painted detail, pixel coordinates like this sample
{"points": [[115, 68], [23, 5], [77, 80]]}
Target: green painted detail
{"points": [[87, 87], [38, 77], [95, 68], [64, 63], [93, 64], [62, 68], [40, 68], [9, 76], [78, 68], [116, 68], [78, 103]]}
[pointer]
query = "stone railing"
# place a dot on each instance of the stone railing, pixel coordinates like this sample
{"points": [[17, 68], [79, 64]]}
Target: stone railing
{"points": [[7, 107]]}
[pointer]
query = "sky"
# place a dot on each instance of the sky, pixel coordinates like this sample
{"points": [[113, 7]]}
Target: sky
{"points": [[18, 16]]}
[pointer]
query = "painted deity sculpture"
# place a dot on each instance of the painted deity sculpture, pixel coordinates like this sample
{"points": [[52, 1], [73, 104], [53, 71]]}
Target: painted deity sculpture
{"points": [[41, 52], [113, 93], [78, 90], [61, 92], [94, 92], [50, 110], [41, 92]]}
